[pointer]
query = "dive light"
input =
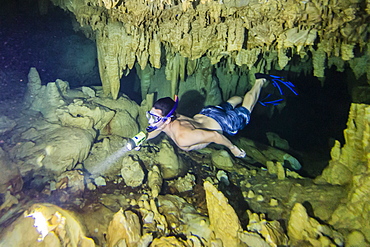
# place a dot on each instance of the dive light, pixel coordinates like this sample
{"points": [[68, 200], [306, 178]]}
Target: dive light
{"points": [[136, 141]]}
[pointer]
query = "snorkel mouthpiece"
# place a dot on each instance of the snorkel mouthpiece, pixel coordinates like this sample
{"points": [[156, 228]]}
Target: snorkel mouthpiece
{"points": [[170, 114], [151, 128]]}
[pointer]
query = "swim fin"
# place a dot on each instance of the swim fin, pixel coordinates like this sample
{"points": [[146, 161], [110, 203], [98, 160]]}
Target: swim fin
{"points": [[279, 84]]}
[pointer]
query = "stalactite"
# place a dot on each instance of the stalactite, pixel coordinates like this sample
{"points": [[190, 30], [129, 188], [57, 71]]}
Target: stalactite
{"points": [[220, 29], [155, 51], [318, 60], [173, 71], [145, 76], [283, 59], [347, 51], [182, 67], [191, 66]]}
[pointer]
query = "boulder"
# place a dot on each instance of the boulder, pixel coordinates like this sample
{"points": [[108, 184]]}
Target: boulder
{"points": [[45, 225], [52, 148]]}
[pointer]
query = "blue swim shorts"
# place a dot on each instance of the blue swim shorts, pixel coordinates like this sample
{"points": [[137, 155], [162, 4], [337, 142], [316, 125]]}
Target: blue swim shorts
{"points": [[230, 119]]}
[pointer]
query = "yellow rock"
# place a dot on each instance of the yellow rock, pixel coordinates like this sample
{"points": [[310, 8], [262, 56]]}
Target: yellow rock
{"points": [[125, 227], [221, 214], [45, 225]]}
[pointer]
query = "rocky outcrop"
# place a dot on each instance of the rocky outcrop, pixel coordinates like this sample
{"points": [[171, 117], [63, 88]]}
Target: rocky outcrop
{"points": [[60, 125], [48, 224], [165, 195], [349, 167]]}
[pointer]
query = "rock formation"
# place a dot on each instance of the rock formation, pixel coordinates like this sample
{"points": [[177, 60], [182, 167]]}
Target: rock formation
{"points": [[349, 167], [240, 36], [160, 195]]}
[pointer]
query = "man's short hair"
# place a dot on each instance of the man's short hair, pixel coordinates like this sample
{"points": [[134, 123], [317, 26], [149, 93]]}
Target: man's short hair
{"points": [[165, 105]]}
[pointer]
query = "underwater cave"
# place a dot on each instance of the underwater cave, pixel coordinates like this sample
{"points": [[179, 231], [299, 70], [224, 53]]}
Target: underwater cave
{"points": [[77, 77]]}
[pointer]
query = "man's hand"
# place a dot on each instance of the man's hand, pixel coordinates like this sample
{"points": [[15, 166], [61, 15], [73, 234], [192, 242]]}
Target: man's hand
{"points": [[238, 152]]}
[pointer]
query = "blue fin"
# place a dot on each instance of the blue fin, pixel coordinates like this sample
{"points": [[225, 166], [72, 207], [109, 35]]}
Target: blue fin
{"points": [[280, 84]]}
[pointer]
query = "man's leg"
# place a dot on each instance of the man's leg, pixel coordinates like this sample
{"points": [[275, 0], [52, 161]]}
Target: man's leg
{"points": [[235, 100], [251, 97]]}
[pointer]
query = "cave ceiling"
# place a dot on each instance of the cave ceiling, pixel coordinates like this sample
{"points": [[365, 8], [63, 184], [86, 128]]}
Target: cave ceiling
{"points": [[257, 35]]}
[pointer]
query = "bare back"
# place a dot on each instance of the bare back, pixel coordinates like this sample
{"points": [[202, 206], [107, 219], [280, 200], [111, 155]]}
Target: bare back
{"points": [[200, 121], [184, 127]]}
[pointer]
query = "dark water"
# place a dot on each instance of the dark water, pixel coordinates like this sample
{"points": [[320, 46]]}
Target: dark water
{"points": [[47, 42], [310, 122]]}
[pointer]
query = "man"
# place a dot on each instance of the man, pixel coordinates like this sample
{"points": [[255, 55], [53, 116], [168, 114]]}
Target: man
{"points": [[206, 127]]}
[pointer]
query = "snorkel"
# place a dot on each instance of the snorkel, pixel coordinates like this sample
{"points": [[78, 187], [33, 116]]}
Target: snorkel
{"points": [[140, 137], [169, 115]]}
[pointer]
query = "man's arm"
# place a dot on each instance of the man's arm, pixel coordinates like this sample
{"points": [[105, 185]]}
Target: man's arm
{"points": [[153, 134]]}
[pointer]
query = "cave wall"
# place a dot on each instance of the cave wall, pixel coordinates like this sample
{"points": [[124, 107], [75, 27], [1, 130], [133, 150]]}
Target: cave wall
{"points": [[236, 36]]}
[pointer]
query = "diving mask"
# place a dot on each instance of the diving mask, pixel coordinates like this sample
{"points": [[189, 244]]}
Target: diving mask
{"points": [[153, 118]]}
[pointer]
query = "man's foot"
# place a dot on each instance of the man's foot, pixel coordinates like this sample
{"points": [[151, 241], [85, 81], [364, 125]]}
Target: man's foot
{"points": [[238, 152], [242, 154], [278, 82], [263, 81]]}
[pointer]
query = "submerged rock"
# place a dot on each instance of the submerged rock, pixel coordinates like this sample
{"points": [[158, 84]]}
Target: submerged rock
{"points": [[45, 225]]}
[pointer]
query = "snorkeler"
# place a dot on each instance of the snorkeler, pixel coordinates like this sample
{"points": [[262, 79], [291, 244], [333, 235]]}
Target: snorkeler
{"points": [[206, 127]]}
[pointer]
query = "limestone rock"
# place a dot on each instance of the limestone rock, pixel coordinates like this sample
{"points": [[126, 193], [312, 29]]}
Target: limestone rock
{"points": [[353, 160], [171, 164], [85, 116], [276, 169], [168, 241], [222, 177], [73, 181], [53, 148], [45, 225], [57, 102], [100, 181], [33, 87], [8, 201], [183, 184], [221, 214], [182, 217], [131, 171], [251, 194], [42, 98], [155, 181], [262, 153], [271, 231], [215, 30], [106, 157], [253, 239], [302, 228], [124, 229], [276, 141], [89, 92], [356, 239], [222, 160], [124, 122]]}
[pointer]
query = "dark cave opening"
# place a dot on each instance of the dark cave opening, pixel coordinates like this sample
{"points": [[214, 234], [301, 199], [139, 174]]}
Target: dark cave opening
{"points": [[310, 122], [47, 42]]}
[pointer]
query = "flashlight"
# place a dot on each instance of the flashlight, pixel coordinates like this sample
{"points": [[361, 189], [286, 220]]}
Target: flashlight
{"points": [[136, 141]]}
